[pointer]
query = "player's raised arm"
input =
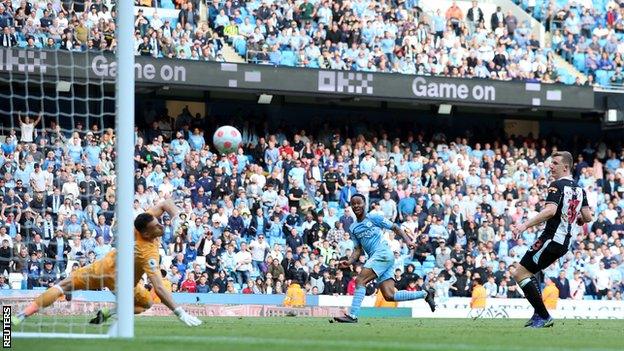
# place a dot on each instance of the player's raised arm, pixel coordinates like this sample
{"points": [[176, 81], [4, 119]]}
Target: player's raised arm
{"points": [[164, 206], [167, 299]]}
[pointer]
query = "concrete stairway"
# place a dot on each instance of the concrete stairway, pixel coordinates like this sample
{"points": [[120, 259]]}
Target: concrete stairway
{"points": [[230, 55], [228, 51]]}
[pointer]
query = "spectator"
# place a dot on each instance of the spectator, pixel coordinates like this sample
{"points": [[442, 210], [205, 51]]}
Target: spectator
{"points": [[243, 264]]}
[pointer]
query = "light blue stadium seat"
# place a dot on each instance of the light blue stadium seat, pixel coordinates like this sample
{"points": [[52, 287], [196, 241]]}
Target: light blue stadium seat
{"points": [[428, 265], [567, 78], [167, 4], [240, 45], [602, 77], [416, 264], [288, 58], [578, 60], [602, 42]]}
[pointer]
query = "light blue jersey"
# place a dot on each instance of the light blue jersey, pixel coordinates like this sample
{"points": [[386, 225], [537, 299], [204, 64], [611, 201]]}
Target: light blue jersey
{"points": [[368, 234]]}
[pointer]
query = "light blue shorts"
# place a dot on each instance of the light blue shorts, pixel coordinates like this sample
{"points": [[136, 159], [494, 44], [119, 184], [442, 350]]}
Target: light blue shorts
{"points": [[382, 263]]}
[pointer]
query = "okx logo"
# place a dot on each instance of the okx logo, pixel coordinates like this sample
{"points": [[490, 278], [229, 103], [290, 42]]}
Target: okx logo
{"points": [[25, 61], [345, 82]]}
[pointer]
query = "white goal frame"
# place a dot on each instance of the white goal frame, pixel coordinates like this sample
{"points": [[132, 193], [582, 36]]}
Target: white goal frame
{"points": [[124, 131]]}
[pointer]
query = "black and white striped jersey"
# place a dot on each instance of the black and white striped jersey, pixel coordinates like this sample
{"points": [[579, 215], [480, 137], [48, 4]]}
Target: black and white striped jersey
{"points": [[570, 198]]}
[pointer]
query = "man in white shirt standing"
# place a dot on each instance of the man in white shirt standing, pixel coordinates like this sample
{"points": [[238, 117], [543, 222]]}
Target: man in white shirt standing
{"points": [[602, 280], [242, 266], [38, 179], [259, 248]]}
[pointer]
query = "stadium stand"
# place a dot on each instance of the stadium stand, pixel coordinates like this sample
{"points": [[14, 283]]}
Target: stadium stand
{"points": [[586, 33], [460, 195], [449, 38], [285, 194]]}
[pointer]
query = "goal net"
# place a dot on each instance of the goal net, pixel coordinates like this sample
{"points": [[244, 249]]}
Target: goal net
{"points": [[61, 189]]}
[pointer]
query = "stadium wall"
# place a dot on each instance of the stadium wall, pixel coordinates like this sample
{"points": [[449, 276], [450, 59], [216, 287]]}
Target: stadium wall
{"points": [[326, 83], [261, 305]]}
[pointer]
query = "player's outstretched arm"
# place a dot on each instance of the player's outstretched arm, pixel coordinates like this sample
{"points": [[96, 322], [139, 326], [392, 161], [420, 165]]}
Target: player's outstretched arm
{"points": [[401, 233], [166, 298], [164, 206], [548, 212], [357, 252]]}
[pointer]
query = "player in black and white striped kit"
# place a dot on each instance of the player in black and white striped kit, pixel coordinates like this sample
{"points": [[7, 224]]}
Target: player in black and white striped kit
{"points": [[565, 210]]}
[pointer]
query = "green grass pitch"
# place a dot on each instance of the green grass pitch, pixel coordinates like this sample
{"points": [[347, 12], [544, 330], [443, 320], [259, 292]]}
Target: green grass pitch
{"points": [[316, 334]]}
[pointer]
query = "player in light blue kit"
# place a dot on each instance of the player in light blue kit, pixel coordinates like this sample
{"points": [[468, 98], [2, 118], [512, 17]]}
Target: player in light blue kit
{"points": [[367, 236]]}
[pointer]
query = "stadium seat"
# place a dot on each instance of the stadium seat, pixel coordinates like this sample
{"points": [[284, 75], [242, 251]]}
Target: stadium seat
{"points": [[288, 58], [240, 45], [578, 60], [167, 4], [428, 265], [602, 77]]}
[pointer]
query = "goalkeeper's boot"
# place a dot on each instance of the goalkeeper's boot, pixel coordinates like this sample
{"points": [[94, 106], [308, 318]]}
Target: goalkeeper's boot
{"points": [[531, 321], [347, 318], [430, 299], [102, 316]]}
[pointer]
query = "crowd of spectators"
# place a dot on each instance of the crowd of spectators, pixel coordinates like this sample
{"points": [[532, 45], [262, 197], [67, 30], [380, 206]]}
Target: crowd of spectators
{"points": [[395, 36], [371, 36], [587, 34], [278, 212]]}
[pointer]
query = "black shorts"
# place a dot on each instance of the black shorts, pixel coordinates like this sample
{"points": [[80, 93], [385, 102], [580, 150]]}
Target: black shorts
{"points": [[543, 253]]}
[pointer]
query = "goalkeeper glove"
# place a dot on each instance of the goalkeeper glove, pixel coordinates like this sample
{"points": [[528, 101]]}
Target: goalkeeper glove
{"points": [[186, 318]]}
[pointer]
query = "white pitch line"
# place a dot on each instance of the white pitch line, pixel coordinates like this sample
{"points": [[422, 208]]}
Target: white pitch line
{"points": [[357, 344]]}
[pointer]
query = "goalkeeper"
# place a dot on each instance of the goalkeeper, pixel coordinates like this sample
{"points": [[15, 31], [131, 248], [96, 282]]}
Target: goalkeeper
{"points": [[101, 273]]}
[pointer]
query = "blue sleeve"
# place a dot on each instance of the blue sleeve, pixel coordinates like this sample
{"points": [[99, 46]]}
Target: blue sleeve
{"points": [[380, 221]]}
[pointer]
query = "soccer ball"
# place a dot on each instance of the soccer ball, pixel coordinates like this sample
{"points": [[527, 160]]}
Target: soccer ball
{"points": [[227, 139]]}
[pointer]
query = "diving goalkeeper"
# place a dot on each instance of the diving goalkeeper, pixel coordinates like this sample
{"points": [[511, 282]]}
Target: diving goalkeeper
{"points": [[101, 273]]}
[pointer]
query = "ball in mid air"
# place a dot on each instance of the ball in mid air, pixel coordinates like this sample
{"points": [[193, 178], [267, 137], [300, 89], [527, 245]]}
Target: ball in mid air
{"points": [[227, 139]]}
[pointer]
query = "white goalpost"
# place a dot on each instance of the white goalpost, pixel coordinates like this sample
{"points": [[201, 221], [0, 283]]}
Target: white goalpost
{"points": [[61, 82], [125, 169]]}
